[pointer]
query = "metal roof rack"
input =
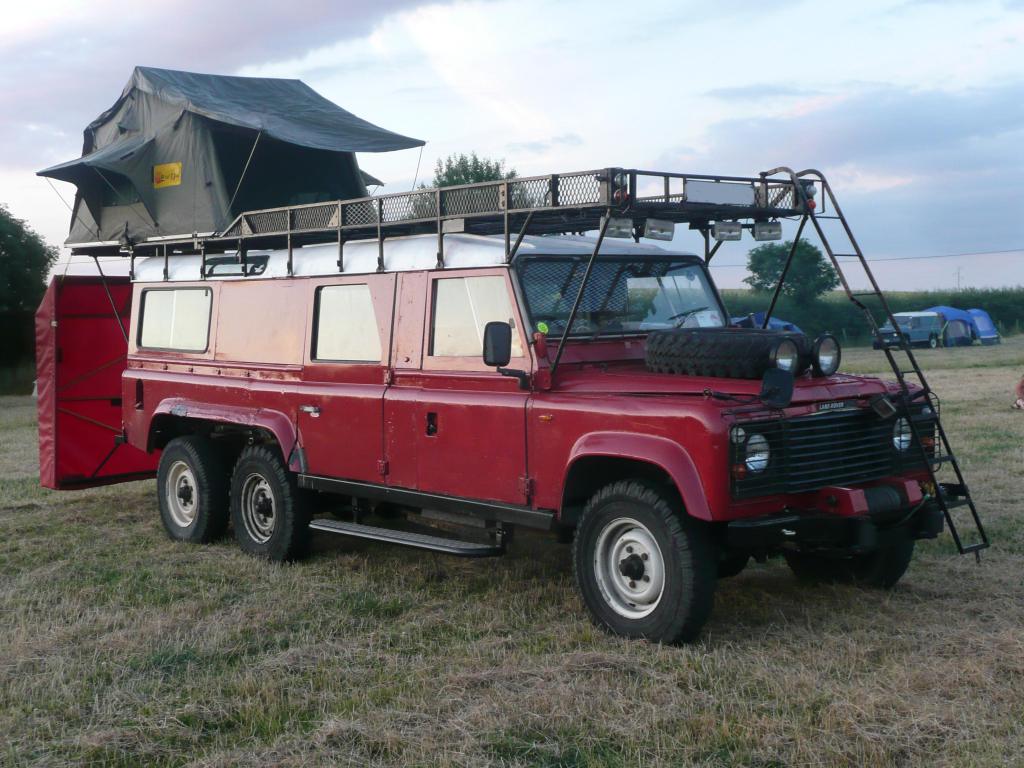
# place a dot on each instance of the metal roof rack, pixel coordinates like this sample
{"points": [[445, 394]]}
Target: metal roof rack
{"points": [[556, 203]]}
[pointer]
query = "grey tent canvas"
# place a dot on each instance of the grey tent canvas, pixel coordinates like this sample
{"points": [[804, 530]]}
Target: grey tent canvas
{"points": [[181, 153]]}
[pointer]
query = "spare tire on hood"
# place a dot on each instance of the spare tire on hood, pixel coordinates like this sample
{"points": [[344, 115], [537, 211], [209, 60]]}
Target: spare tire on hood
{"points": [[732, 353]]}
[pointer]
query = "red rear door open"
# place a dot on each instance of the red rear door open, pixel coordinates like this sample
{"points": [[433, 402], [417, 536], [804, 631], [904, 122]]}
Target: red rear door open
{"points": [[81, 348]]}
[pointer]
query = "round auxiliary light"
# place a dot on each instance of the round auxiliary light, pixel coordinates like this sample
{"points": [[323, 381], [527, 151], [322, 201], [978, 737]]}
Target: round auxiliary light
{"points": [[901, 435], [785, 355], [758, 453], [826, 355]]}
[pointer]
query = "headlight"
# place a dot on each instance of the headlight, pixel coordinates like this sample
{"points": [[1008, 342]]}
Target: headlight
{"points": [[785, 355], [826, 354], [757, 453], [901, 434]]}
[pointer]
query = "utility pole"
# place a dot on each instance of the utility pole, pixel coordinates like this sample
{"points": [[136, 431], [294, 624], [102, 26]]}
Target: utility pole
{"points": [[958, 271]]}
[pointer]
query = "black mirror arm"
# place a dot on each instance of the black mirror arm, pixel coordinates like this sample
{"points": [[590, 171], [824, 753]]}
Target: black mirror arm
{"points": [[523, 376]]}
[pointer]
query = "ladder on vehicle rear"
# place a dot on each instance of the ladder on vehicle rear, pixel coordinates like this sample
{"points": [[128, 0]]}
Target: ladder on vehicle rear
{"points": [[948, 495]]}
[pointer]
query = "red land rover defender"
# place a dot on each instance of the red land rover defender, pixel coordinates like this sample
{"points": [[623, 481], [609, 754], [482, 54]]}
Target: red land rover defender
{"points": [[591, 387]]}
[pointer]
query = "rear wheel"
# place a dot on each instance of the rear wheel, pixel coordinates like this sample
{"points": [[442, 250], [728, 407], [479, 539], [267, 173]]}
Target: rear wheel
{"points": [[933, 342], [880, 569], [192, 490], [269, 515], [642, 569]]}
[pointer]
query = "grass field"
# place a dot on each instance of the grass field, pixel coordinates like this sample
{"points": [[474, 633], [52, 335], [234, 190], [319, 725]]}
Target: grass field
{"points": [[118, 647]]}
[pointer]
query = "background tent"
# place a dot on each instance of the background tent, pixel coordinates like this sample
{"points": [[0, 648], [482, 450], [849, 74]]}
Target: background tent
{"points": [[959, 330], [984, 327], [182, 153]]}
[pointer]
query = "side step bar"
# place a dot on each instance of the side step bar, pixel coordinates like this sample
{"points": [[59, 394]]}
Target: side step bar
{"points": [[419, 540]]}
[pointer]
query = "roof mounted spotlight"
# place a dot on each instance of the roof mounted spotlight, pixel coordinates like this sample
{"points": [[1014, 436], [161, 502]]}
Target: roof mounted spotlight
{"points": [[727, 230], [659, 229], [619, 227], [767, 230]]}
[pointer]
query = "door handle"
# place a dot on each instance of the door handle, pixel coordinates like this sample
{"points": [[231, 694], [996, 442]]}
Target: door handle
{"points": [[431, 424], [312, 410]]}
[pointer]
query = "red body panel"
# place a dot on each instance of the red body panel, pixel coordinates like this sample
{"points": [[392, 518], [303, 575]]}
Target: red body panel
{"points": [[450, 425]]}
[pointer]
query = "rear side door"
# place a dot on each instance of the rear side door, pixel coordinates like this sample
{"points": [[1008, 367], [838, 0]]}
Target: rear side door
{"points": [[454, 426], [81, 352], [339, 405]]}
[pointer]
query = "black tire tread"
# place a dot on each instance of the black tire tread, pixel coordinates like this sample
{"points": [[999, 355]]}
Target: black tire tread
{"points": [[212, 485], [689, 539], [735, 353], [880, 569], [290, 540]]}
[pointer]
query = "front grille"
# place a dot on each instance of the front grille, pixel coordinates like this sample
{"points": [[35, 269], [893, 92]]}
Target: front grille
{"points": [[845, 447]]}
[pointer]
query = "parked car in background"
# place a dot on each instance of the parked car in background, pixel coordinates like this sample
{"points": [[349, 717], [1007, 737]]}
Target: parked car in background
{"points": [[756, 320], [920, 329]]}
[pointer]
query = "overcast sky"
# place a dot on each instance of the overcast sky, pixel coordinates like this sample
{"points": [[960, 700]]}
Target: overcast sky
{"points": [[913, 108]]}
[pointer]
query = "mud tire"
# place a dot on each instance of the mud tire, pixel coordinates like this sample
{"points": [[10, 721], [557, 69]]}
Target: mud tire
{"points": [[734, 353], [197, 465], [685, 548], [880, 569]]}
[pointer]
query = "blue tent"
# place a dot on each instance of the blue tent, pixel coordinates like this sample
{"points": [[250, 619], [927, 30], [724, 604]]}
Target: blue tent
{"points": [[984, 327], [959, 326], [756, 320]]}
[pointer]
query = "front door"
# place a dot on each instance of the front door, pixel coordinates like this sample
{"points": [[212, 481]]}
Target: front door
{"points": [[454, 426]]}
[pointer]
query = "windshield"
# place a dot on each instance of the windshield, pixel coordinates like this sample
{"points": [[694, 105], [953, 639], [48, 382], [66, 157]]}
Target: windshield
{"points": [[627, 295], [904, 323]]}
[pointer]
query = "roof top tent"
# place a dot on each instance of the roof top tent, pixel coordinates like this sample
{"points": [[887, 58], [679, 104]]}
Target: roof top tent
{"points": [[181, 153]]}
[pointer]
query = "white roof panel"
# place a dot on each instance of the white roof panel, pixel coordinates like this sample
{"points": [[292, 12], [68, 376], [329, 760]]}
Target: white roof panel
{"points": [[401, 254]]}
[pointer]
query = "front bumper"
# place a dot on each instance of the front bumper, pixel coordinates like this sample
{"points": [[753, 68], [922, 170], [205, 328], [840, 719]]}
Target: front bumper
{"points": [[817, 531]]}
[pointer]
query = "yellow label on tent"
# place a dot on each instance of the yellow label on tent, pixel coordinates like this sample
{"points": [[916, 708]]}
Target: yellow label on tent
{"points": [[166, 175]]}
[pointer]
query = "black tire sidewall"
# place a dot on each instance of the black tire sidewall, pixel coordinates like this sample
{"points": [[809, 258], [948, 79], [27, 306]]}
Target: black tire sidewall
{"points": [[689, 570], [880, 569], [737, 353], [203, 460], [290, 537]]}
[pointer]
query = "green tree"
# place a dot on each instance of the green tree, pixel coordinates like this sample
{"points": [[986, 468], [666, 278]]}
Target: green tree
{"points": [[809, 276], [25, 261], [469, 169]]}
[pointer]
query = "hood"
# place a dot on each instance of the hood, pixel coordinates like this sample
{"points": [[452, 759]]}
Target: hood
{"points": [[636, 380]]}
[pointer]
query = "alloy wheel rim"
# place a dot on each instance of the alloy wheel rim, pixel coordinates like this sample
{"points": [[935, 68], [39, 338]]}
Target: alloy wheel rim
{"points": [[182, 494], [259, 510], [629, 568]]}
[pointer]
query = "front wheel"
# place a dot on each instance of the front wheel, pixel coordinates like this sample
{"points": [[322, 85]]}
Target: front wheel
{"points": [[642, 569], [270, 517], [880, 569]]}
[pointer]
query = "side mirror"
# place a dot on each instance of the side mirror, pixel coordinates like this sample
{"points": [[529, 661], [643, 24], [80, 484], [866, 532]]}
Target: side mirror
{"points": [[497, 344], [777, 388]]}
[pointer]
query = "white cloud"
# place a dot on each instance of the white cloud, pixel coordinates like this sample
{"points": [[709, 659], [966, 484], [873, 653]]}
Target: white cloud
{"points": [[913, 109]]}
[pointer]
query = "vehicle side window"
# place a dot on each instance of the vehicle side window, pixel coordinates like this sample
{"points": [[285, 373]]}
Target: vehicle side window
{"points": [[177, 319], [462, 307], [346, 325]]}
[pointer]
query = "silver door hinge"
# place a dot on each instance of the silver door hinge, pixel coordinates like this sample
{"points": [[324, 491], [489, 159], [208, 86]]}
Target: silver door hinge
{"points": [[382, 467], [526, 486]]}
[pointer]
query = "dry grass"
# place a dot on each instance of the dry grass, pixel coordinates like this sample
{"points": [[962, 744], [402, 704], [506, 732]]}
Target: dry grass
{"points": [[118, 647]]}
